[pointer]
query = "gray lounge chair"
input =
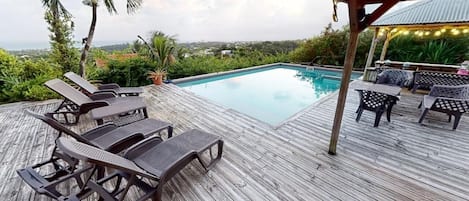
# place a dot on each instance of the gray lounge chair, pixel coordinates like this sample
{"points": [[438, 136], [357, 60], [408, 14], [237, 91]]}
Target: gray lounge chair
{"points": [[107, 137], [452, 100], [395, 77], [75, 103], [90, 89], [426, 79], [151, 159]]}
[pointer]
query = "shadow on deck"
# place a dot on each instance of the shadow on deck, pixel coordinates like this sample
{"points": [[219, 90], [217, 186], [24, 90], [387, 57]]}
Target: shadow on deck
{"points": [[400, 160]]}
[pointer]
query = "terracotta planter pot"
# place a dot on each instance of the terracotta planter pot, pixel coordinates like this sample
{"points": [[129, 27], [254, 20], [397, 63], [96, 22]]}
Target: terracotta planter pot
{"points": [[158, 80]]}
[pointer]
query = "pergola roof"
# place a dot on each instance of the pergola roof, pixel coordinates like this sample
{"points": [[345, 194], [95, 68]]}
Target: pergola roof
{"points": [[428, 12]]}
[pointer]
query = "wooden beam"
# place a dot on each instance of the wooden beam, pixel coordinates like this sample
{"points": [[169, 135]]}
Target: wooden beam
{"points": [[371, 53], [370, 18], [347, 72], [357, 25], [385, 46]]}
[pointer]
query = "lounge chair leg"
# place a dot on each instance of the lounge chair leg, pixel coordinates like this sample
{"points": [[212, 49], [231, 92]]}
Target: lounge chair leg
{"points": [[456, 121], [449, 118], [359, 114], [420, 105], [170, 131], [377, 119], [422, 116]]}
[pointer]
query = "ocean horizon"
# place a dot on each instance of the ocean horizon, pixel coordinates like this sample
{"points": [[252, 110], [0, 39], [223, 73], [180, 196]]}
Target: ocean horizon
{"points": [[41, 45]]}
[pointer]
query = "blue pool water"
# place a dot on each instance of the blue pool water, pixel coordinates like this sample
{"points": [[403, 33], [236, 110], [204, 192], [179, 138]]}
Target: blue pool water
{"points": [[269, 94]]}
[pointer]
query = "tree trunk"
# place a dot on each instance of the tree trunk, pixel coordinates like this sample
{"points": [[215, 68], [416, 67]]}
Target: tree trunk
{"points": [[86, 49]]}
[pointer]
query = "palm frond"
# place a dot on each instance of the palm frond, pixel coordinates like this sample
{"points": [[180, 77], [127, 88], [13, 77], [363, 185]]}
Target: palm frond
{"points": [[110, 6], [133, 5]]}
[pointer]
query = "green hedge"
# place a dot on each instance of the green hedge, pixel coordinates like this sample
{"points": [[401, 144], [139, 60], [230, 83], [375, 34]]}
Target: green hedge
{"points": [[209, 64], [24, 79], [133, 72]]}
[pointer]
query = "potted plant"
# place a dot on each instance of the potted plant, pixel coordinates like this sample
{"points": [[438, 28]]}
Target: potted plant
{"points": [[157, 76], [161, 52]]}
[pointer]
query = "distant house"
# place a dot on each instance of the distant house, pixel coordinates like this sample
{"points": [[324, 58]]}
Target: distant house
{"points": [[227, 53], [208, 52], [102, 63]]}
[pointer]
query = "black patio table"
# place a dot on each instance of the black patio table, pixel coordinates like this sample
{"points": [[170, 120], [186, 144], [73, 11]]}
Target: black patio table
{"points": [[377, 98]]}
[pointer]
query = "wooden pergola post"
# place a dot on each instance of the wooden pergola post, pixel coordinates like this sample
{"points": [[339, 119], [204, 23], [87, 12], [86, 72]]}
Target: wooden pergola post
{"points": [[389, 37], [347, 72], [359, 20], [371, 53]]}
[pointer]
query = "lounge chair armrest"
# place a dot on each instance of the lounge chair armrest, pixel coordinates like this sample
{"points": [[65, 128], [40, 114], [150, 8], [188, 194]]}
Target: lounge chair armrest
{"points": [[98, 131], [108, 86], [85, 108], [142, 146], [101, 96], [106, 91], [453, 99]]}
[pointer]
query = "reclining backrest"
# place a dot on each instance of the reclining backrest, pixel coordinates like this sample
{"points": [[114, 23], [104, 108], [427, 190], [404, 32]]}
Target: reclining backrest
{"points": [[68, 91], [440, 78], [395, 77], [458, 92], [84, 84], [99, 157], [57, 126]]}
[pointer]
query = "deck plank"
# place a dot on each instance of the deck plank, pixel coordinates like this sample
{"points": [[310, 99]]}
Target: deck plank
{"points": [[399, 160]]}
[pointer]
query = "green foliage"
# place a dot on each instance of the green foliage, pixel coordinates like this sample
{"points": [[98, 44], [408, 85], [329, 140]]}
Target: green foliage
{"points": [[209, 64], [61, 38], [131, 72], [329, 48], [446, 50], [24, 79], [160, 50]]}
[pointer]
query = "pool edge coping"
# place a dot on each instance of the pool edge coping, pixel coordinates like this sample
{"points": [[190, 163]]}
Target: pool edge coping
{"points": [[210, 75]]}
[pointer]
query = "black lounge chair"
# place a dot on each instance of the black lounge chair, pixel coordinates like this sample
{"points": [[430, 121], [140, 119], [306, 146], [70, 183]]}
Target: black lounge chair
{"points": [[152, 159], [90, 89], [107, 137], [76, 103], [452, 100]]}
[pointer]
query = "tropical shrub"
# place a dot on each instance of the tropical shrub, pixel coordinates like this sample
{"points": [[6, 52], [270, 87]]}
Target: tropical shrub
{"points": [[209, 64], [24, 79], [445, 50], [329, 48], [131, 72]]}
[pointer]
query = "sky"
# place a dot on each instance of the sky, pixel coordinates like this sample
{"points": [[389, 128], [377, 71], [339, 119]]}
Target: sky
{"points": [[189, 20]]}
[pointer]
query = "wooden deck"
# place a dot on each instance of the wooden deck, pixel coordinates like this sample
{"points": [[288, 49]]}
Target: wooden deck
{"points": [[401, 160]]}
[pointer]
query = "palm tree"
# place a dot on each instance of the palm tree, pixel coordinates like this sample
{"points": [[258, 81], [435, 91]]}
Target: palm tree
{"points": [[161, 49], [56, 7], [56, 10], [132, 6]]}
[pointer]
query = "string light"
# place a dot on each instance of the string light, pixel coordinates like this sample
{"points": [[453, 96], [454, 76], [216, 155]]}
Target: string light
{"points": [[420, 33]]}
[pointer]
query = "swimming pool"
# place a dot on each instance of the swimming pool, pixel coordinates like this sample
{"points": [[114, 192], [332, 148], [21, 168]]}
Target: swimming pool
{"points": [[270, 94]]}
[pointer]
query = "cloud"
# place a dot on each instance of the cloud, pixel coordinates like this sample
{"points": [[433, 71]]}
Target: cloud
{"points": [[190, 20]]}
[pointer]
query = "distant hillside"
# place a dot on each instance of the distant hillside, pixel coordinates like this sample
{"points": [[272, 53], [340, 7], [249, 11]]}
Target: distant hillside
{"points": [[116, 47]]}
